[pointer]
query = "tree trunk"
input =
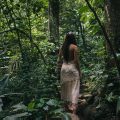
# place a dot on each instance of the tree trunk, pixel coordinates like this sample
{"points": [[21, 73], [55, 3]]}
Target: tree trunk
{"points": [[112, 12], [112, 8], [54, 21]]}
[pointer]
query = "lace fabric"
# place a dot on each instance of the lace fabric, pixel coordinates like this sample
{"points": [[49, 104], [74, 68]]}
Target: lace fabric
{"points": [[70, 83]]}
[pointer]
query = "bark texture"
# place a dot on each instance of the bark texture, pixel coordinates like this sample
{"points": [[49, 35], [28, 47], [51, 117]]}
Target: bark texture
{"points": [[112, 8], [54, 21]]}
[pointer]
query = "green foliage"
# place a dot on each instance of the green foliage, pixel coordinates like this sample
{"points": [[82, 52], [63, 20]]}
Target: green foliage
{"points": [[46, 107], [28, 59], [111, 97]]}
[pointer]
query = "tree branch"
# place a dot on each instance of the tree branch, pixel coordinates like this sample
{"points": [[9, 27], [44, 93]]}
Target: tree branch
{"points": [[24, 33], [17, 30]]}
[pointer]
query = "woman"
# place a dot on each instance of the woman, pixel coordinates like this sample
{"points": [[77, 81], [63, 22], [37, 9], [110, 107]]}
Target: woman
{"points": [[70, 72]]}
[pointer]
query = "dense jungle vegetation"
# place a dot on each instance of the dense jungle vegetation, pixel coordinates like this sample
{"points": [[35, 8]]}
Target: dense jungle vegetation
{"points": [[31, 33]]}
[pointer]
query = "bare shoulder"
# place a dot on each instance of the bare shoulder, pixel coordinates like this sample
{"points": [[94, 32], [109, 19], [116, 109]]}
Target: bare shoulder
{"points": [[73, 47]]}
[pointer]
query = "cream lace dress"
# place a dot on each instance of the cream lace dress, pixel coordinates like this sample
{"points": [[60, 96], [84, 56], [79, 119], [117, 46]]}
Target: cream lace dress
{"points": [[70, 83]]}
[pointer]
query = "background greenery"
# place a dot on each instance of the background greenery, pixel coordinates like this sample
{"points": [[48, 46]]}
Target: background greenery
{"points": [[29, 85]]}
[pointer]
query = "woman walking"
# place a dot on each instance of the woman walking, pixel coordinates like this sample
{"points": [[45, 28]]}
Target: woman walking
{"points": [[70, 73]]}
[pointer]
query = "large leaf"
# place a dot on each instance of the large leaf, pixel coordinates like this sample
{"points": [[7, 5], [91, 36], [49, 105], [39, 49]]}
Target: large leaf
{"points": [[31, 105], [52, 102], [66, 116], [16, 116], [41, 103], [118, 105], [4, 81], [19, 106]]}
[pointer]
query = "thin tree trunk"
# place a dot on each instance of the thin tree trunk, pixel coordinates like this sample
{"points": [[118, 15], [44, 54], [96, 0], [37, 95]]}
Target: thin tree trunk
{"points": [[82, 35], [54, 21]]}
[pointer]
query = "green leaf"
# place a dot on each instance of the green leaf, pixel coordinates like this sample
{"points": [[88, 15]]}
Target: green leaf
{"points": [[52, 102], [83, 9], [17, 116], [19, 106], [118, 105], [58, 111], [31, 105], [41, 103], [66, 116], [16, 2], [4, 81]]}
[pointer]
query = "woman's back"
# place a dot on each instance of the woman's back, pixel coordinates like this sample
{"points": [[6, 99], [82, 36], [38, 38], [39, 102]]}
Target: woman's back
{"points": [[72, 54]]}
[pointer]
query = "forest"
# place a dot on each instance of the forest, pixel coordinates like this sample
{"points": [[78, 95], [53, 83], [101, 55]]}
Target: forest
{"points": [[31, 34]]}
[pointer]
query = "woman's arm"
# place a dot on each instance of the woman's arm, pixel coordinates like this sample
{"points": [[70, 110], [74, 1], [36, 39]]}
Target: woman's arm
{"points": [[76, 60], [59, 63], [59, 60]]}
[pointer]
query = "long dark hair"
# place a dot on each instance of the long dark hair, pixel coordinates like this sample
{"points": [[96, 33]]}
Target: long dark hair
{"points": [[69, 39]]}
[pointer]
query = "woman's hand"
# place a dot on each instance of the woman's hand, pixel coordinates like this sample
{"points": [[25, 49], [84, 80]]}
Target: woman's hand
{"points": [[59, 65], [80, 74]]}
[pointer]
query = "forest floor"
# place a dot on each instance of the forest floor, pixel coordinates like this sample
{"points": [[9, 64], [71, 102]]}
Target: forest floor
{"points": [[89, 107], [82, 103]]}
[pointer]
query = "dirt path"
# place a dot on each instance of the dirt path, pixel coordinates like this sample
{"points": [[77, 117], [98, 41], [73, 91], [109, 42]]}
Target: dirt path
{"points": [[82, 103]]}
